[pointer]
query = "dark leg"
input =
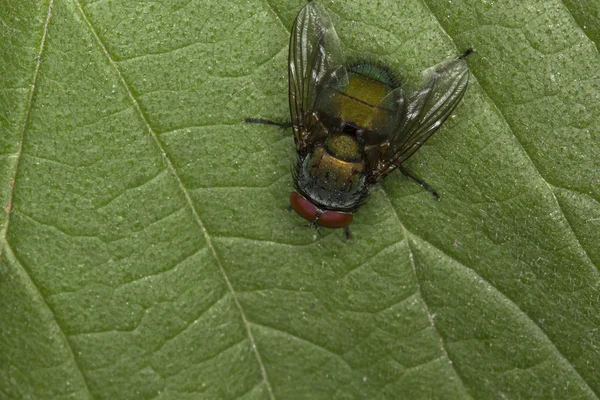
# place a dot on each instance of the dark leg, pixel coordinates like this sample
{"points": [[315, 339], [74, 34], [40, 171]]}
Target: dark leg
{"points": [[347, 232], [289, 208], [466, 53], [284, 125], [419, 181]]}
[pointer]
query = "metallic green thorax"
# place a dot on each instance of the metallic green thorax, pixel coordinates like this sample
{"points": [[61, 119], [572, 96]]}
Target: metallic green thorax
{"points": [[360, 103], [333, 173]]}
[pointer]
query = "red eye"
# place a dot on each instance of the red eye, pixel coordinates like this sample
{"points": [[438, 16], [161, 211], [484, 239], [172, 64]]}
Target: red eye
{"points": [[334, 219], [303, 207]]}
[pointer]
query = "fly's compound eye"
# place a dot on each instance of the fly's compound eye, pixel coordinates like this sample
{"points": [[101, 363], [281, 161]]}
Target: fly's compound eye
{"points": [[303, 207], [328, 219], [334, 219]]}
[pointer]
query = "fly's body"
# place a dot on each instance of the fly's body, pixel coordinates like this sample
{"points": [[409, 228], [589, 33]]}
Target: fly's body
{"points": [[354, 124], [333, 174]]}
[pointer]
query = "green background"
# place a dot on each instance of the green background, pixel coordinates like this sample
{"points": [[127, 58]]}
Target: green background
{"points": [[147, 253]]}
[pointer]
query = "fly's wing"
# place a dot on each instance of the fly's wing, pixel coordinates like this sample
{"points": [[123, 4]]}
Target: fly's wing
{"points": [[315, 62], [387, 116], [424, 112]]}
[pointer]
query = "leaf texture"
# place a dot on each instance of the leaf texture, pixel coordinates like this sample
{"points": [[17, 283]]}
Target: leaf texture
{"points": [[145, 247]]}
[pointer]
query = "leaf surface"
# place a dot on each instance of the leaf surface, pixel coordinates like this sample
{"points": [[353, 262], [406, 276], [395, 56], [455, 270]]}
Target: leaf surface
{"points": [[145, 247]]}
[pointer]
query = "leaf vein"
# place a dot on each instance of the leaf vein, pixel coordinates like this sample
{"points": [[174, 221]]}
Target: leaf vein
{"points": [[304, 340], [277, 16], [578, 23], [28, 106], [119, 195], [60, 331], [418, 285], [545, 181], [542, 178], [162, 272], [517, 307], [365, 262], [186, 194]]}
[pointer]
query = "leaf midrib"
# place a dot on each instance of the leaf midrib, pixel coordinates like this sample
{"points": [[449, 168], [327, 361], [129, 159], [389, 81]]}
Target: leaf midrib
{"points": [[4, 245], [186, 194]]}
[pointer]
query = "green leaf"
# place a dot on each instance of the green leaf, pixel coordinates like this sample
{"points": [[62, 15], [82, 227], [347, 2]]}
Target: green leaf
{"points": [[145, 247]]}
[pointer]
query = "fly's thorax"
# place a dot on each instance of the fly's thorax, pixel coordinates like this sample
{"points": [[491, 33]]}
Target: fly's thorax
{"points": [[332, 171], [330, 181], [362, 102]]}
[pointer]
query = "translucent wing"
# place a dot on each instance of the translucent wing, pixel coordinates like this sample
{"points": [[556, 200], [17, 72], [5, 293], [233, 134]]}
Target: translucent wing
{"points": [[376, 142], [424, 112], [315, 61]]}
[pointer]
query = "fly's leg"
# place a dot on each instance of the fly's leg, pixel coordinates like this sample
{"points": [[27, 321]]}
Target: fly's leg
{"points": [[347, 232], [420, 181], [466, 53], [283, 125]]}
